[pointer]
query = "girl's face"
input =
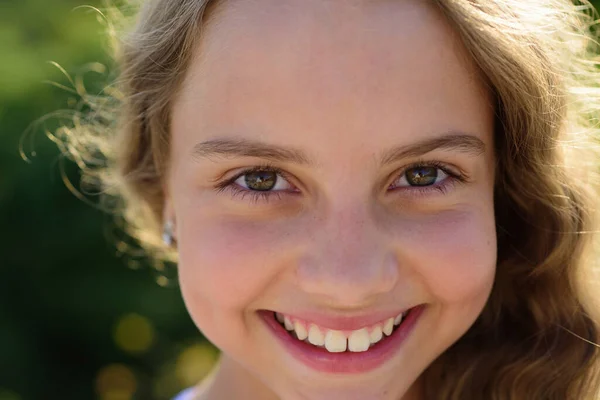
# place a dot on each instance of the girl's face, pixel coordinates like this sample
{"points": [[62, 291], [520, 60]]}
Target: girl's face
{"points": [[376, 198]]}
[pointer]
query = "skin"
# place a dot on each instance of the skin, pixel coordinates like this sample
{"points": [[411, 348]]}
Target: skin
{"points": [[342, 81]]}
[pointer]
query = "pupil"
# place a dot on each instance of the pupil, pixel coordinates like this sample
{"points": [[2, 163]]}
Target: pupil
{"points": [[421, 176], [261, 180]]}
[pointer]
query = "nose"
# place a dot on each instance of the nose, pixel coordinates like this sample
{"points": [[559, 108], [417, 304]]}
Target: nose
{"points": [[350, 262]]}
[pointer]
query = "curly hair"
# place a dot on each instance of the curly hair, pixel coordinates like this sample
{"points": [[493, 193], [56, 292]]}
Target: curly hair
{"points": [[536, 337]]}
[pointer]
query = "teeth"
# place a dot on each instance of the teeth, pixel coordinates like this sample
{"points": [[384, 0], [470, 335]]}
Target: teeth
{"points": [[300, 330], [279, 317], [376, 334], [315, 336], [335, 341], [359, 340], [388, 326], [288, 324], [398, 319]]}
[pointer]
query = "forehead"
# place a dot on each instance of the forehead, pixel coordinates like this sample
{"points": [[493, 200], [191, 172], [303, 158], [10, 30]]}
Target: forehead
{"points": [[299, 70]]}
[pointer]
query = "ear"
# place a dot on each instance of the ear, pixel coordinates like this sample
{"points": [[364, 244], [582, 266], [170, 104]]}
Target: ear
{"points": [[169, 214]]}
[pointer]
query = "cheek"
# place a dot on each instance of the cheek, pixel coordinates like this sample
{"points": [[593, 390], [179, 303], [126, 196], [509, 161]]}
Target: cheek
{"points": [[455, 255], [228, 264]]}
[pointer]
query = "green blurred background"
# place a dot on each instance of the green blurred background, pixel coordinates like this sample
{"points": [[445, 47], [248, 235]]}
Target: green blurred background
{"points": [[79, 319]]}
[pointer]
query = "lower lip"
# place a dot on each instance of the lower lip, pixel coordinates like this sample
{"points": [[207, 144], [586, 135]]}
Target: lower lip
{"points": [[347, 362]]}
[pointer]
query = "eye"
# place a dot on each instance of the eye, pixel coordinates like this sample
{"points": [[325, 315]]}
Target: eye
{"points": [[262, 183], [263, 180], [426, 178], [422, 176]]}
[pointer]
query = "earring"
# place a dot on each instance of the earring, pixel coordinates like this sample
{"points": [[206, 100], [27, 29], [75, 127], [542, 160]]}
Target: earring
{"points": [[167, 235]]}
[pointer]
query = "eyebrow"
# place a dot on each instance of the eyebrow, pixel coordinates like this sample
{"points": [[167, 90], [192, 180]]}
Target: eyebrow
{"points": [[241, 147]]}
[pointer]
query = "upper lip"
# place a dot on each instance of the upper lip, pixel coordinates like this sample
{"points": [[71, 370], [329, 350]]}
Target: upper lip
{"points": [[342, 322]]}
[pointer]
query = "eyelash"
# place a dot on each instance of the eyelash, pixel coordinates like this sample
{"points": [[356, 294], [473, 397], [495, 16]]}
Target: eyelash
{"points": [[257, 196]]}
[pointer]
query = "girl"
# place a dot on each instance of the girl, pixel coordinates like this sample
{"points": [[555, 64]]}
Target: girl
{"points": [[367, 199]]}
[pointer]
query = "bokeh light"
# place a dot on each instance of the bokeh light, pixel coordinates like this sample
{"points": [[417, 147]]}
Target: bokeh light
{"points": [[195, 362], [116, 382], [8, 395], [162, 281], [134, 333]]}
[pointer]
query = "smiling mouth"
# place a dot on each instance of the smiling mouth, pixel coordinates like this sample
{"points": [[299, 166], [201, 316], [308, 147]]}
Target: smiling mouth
{"points": [[337, 341]]}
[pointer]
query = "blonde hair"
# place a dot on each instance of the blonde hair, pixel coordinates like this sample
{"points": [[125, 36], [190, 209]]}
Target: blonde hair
{"points": [[536, 337]]}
